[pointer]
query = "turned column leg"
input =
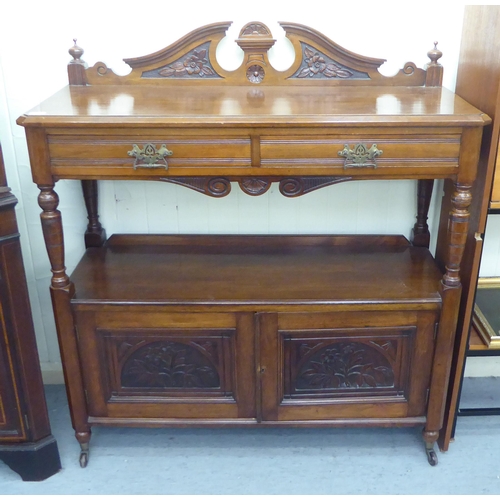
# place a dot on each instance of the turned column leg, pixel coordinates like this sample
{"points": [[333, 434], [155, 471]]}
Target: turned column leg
{"points": [[450, 289], [95, 235], [420, 236], [62, 291]]}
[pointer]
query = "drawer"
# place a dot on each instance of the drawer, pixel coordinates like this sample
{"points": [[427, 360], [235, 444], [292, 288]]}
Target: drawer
{"points": [[365, 155], [167, 365], [108, 155], [243, 153]]}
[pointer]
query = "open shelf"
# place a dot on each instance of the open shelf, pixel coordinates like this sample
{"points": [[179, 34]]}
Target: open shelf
{"points": [[257, 270]]}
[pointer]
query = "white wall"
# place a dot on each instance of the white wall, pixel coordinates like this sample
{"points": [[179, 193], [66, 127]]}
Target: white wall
{"points": [[34, 40]]}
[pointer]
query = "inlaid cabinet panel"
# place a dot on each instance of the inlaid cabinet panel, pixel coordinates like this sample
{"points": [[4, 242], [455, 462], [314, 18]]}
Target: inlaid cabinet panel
{"points": [[168, 365], [328, 366], [11, 424]]}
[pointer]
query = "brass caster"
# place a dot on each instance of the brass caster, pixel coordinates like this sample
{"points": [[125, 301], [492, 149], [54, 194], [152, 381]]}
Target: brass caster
{"points": [[431, 455], [84, 459], [84, 455]]}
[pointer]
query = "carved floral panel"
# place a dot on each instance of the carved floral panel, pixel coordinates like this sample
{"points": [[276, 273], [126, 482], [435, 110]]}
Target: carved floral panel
{"points": [[169, 364], [315, 64], [158, 363], [351, 365], [337, 363], [194, 64]]}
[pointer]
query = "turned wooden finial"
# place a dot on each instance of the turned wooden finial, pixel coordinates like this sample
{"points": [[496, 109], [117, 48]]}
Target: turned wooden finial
{"points": [[434, 76], [434, 55], [76, 52], [76, 67]]}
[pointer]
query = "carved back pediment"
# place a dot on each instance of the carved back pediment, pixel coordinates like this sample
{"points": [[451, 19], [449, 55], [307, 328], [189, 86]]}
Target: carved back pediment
{"points": [[192, 61]]}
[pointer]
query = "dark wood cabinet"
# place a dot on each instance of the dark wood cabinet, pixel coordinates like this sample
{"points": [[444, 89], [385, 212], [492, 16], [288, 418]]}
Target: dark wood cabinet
{"points": [[257, 330], [26, 443]]}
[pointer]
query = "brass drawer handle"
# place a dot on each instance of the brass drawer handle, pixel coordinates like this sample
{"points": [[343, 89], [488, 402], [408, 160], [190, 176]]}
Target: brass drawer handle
{"points": [[149, 156], [360, 156]]}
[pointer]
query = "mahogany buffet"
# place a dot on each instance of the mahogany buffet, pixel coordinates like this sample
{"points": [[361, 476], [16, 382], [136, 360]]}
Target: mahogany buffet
{"points": [[172, 330]]}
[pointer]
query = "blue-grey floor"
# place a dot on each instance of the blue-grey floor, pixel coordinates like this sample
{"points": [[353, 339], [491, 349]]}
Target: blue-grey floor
{"points": [[273, 461]]}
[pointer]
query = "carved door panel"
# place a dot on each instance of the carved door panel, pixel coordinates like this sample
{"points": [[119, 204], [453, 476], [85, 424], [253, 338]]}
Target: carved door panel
{"points": [[168, 365], [345, 365]]}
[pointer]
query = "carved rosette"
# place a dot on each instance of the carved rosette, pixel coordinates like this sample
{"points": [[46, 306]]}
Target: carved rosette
{"points": [[352, 365], [255, 73], [169, 365], [254, 186], [316, 64]]}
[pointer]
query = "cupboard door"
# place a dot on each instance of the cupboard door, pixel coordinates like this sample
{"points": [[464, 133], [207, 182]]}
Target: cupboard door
{"points": [[168, 365], [363, 365], [11, 419]]}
